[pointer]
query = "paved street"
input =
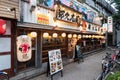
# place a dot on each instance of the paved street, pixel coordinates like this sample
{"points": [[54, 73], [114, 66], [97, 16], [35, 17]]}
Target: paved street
{"points": [[87, 70]]}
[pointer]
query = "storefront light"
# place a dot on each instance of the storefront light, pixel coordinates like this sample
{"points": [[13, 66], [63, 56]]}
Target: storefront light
{"points": [[86, 36], [79, 36], [55, 35], [89, 36], [33, 34], [69, 35], [93, 36], [45, 35], [63, 35], [74, 35]]}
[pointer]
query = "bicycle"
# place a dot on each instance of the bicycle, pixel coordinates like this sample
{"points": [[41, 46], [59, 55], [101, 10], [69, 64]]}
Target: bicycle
{"points": [[107, 66], [4, 75]]}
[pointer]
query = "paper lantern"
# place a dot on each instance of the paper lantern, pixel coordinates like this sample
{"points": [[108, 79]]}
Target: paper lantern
{"points": [[33, 34], [69, 35], [63, 35], [45, 35], [74, 35], [2, 26], [79, 36], [55, 35]]}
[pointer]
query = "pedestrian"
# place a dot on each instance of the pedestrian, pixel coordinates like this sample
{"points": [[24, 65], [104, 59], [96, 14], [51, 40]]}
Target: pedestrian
{"points": [[78, 53], [118, 56]]}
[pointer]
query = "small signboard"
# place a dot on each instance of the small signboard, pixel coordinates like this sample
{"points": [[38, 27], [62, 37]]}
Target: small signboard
{"points": [[55, 61]]}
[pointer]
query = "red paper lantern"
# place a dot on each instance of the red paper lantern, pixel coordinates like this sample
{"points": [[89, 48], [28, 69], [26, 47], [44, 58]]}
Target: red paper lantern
{"points": [[2, 26]]}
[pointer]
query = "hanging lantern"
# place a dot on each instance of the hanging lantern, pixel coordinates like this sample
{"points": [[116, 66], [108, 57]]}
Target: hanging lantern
{"points": [[45, 35], [79, 36], [55, 35], [86, 36], [2, 26], [89, 36], [33, 34], [63, 35], [69, 35], [74, 35]]}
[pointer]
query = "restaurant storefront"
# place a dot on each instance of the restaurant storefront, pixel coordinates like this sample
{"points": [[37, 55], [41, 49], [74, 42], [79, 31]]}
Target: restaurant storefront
{"points": [[46, 29]]}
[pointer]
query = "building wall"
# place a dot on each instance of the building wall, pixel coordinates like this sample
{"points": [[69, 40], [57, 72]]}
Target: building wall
{"points": [[5, 5]]}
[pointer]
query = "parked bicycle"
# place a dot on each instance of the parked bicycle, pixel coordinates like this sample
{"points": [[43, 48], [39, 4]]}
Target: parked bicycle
{"points": [[4, 75], [108, 63]]}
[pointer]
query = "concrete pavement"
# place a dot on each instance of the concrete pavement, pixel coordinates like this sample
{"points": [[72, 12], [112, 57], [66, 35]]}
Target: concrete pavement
{"points": [[87, 70]]}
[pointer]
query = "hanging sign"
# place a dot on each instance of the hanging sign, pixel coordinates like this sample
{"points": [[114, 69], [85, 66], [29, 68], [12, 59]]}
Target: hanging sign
{"points": [[55, 61], [63, 13], [2, 26], [110, 24], [24, 48]]}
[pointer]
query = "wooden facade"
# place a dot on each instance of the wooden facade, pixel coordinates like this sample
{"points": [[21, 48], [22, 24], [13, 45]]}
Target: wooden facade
{"points": [[6, 5], [9, 12]]}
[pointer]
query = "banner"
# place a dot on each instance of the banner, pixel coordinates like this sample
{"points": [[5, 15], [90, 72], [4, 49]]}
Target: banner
{"points": [[24, 48], [55, 61]]}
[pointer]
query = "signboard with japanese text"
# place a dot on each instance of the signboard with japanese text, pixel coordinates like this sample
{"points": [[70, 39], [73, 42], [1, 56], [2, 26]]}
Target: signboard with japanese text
{"points": [[42, 19], [55, 61], [87, 14], [110, 24], [24, 48], [63, 13]]}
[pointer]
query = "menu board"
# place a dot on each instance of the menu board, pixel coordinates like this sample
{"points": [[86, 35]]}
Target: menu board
{"points": [[55, 61]]}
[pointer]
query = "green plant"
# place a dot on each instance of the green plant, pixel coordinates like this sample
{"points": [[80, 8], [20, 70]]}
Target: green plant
{"points": [[115, 76]]}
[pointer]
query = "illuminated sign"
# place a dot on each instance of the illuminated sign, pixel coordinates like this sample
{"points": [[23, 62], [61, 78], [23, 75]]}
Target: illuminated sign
{"points": [[110, 24], [65, 14]]}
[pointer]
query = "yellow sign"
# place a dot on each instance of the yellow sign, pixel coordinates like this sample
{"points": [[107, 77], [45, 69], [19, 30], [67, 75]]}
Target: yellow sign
{"points": [[42, 19]]}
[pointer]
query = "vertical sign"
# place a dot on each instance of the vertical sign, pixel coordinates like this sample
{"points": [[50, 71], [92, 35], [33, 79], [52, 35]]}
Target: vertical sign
{"points": [[55, 61], [110, 24]]}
